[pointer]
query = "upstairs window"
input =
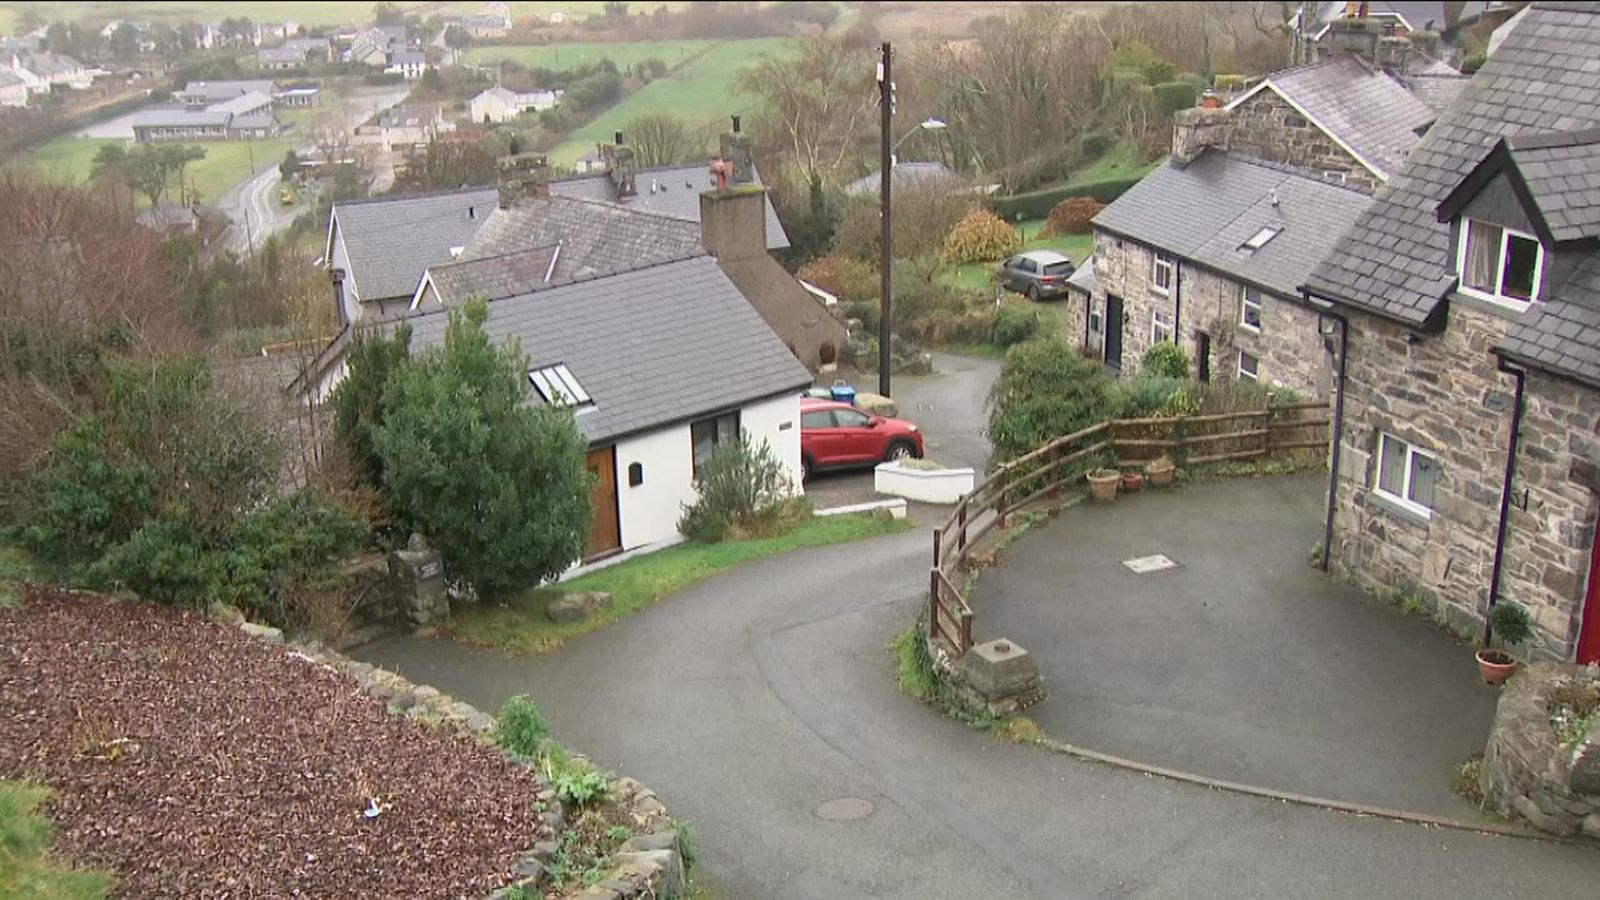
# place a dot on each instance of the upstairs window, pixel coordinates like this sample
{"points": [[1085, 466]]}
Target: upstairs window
{"points": [[559, 387], [1499, 264], [1250, 309], [1161, 275]]}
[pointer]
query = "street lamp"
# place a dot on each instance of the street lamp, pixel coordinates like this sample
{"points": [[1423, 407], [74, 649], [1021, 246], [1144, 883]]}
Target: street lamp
{"points": [[928, 124]]}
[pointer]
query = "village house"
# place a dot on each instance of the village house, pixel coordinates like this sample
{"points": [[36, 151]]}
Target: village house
{"points": [[410, 64], [13, 90], [279, 58], [246, 117], [370, 47], [499, 104], [41, 71], [1466, 303], [403, 127]]}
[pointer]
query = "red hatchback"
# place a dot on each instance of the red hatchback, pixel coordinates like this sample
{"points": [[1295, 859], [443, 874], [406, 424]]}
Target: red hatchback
{"points": [[834, 435]]}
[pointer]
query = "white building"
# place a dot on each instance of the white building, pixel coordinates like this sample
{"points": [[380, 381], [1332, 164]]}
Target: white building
{"points": [[498, 104], [13, 90]]}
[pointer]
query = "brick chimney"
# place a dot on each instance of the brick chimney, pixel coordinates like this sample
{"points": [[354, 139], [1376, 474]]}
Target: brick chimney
{"points": [[522, 175], [733, 223], [736, 147], [1193, 130], [623, 165]]}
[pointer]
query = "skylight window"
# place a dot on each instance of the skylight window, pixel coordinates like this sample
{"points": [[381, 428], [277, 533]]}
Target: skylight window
{"points": [[559, 387], [1260, 238]]}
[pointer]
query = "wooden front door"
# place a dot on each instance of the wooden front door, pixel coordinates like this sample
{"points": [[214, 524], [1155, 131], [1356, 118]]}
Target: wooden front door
{"points": [[605, 535], [1589, 625], [1114, 331]]}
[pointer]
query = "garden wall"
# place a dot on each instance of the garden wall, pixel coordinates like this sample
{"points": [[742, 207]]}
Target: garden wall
{"points": [[1527, 772]]}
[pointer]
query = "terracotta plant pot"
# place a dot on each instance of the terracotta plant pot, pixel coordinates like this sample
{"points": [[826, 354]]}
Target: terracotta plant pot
{"points": [[1496, 665], [1103, 484], [1160, 473], [1132, 482]]}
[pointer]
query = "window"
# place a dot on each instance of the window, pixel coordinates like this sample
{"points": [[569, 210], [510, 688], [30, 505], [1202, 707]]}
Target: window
{"points": [[557, 385], [1406, 475], [1058, 269], [1026, 265], [816, 419], [1161, 275], [1260, 238], [849, 418], [1160, 327], [1499, 264], [707, 435], [1250, 309], [1248, 366]]}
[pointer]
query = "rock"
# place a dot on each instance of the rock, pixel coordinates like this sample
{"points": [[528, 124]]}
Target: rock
{"points": [[1561, 826], [1585, 775], [600, 893], [480, 723], [543, 850], [1591, 825], [423, 692], [529, 866], [877, 404], [264, 632], [670, 864], [555, 819], [644, 842], [576, 607], [403, 700]]}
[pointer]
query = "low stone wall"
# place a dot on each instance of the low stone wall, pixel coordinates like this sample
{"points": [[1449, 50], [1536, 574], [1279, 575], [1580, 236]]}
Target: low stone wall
{"points": [[648, 865], [1527, 773]]}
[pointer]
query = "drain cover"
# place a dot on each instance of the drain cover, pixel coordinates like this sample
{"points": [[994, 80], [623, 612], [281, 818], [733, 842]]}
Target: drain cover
{"points": [[1144, 565], [844, 809]]}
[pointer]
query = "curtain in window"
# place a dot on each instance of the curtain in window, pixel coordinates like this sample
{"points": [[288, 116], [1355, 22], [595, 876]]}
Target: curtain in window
{"points": [[1482, 268], [1424, 474], [1392, 466]]}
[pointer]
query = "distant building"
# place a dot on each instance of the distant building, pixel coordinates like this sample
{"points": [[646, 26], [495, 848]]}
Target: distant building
{"points": [[42, 71], [370, 47], [13, 90], [297, 95], [247, 117], [204, 93], [408, 63], [498, 104], [281, 58]]}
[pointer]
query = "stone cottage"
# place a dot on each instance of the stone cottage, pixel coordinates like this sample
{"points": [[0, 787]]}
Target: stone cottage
{"points": [[1467, 462]]}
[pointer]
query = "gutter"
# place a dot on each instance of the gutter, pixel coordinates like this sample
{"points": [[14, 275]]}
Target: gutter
{"points": [[1326, 309], [1505, 493]]}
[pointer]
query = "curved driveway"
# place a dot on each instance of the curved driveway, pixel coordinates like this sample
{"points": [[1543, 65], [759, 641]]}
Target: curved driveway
{"points": [[753, 697]]}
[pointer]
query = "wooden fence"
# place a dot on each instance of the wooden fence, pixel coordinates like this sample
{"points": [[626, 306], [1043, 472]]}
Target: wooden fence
{"points": [[1061, 463]]}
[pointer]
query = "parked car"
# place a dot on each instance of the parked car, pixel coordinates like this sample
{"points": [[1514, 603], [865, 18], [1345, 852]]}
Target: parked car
{"points": [[837, 435], [1041, 274]]}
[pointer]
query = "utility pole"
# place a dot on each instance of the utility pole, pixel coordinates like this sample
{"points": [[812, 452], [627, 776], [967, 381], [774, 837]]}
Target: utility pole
{"points": [[885, 167]]}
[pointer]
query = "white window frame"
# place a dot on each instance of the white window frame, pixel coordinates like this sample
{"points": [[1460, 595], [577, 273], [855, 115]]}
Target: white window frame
{"points": [[1245, 375], [1506, 234], [1161, 328], [1261, 238], [1403, 499], [1171, 267], [1244, 306]]}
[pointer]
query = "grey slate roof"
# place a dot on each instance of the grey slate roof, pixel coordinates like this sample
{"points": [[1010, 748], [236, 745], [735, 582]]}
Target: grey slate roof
{"points": [[1562, 171], [1083, 278], [493, 277], [904, 175], [1206, 210], [1439, 92], [214, 91], [1374, 115], [594, 236], [1562, 332], [1545, 77], [676, 195], [393, 240], [243, 103], [652, 346]]}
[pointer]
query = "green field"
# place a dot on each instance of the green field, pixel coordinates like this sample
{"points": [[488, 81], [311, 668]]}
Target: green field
{"points": [[305, 13], [226, 164], [702, 92], [1121, 161], [571, 56]]}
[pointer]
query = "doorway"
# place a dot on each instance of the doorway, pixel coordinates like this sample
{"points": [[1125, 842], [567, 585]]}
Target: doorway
{"points": [[1114, 331], [1202, 353], [605, 533], [1589, 625]]}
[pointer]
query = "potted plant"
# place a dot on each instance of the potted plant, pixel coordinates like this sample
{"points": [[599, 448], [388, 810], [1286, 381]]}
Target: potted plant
{"points": [[1508, 624], [1132, 481], [1103, 484], [1159, 471], [827, 354]]}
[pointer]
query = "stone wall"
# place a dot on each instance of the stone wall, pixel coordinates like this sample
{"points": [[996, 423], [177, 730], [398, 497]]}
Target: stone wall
{"points": [[1443, 394], [1267, 127], [1527, 773]]}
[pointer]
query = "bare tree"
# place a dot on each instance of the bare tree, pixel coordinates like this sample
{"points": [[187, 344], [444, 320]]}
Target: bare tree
{"points": [[818, 103], [661, 139]]}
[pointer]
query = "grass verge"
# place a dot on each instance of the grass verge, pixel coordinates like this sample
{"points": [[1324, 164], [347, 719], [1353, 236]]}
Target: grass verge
{"points": [[15, 571], [26, 867], [522, 627]]}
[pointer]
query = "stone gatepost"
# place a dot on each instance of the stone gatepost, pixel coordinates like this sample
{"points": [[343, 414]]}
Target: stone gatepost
{"points": [[418, 575], [1000, 677]]}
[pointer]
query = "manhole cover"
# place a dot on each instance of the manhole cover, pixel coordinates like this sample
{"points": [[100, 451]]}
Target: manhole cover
{"points": [[844, 809], [1144, 565]]}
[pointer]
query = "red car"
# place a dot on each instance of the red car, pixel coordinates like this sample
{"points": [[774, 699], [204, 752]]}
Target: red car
{"points": [[835, 435]]}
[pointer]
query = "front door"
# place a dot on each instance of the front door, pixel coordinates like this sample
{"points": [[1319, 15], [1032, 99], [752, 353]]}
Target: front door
{"points": [[1589, 625], [1202, 352], [605, 534], [1114, 331]]}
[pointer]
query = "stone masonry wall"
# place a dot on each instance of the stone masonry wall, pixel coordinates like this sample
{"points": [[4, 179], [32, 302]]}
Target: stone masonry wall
{"points": [[1443, 394], [1526, 772], [1267, 127]]}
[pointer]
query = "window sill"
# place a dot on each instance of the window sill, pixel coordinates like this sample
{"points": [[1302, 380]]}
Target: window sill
{"points": [[1399, 510], [1502, 308]]}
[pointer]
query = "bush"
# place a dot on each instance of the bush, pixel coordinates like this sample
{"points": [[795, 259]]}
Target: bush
{"points": [[1228, 83], [1045, 391], [1165, 360], [522, 728], [1071, 216], [1509, 623], [851, 280], [866, 311], [498, 486], [1154, 395], [1094, 144], [981, 236], [1037, 204], [1171, 96], [1014, 323], [742, 489]]}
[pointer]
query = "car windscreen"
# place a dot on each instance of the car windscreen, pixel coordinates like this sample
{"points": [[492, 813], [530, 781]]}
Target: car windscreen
{"points": [[1060, 268]]}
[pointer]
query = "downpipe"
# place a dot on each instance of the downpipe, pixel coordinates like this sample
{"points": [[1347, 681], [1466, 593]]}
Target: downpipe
{"points": [[1505, 494], [1342, 353]]}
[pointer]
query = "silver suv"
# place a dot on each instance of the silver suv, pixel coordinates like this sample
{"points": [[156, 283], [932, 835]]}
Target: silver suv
{"points": [[1041, 274]]}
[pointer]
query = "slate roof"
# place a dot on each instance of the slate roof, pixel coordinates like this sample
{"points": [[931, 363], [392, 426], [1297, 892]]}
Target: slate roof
{"points": [[493, 277], [214, 91], [1562, 172], [1083, 278], [594, 236], [1205, 211], [652, 346], [1395, 260], [281, 55], [903, 175], [1562, 332], [1372, 114], [392, 240], [243, 103], [1439, 92], [178, 117], [676, 194]]}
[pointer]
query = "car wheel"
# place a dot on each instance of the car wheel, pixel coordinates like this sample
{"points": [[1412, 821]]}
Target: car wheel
{"points": [[1033, 292], [900, 450], [805, 469]]}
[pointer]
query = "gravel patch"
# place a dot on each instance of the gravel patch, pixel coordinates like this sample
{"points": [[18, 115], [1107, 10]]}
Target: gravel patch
{"points": [[192, 760]]}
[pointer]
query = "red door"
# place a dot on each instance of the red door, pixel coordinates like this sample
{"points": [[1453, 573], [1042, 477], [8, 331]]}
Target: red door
{"points": [[1589, 625]]}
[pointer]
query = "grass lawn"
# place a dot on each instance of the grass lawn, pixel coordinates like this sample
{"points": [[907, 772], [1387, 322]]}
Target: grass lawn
{"points": [[226, 164], [701, 92], [980, 276], [571, 56], [26, 867], [523, 628], [1121, 161]]}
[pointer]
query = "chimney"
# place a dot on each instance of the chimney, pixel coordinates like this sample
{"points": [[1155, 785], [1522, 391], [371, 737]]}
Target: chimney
{"points": [[1210, 100], [623, 166], [737, 148], [1194, 130], [337, 277], [733, 222], [519, 176]]}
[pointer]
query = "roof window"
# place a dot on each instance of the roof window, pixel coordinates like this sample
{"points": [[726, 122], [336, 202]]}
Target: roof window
{"points": [[1260, 238], [559, 387]]}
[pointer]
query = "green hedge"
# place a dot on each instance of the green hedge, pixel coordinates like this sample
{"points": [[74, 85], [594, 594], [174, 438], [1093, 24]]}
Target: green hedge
{"points": [[1037, 204]]}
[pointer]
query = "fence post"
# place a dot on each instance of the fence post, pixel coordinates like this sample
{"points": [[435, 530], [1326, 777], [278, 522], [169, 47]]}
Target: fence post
{"points": [[937, 534], [961, 519], [1000, 501], [1055, 471], [966, 631], [933, 601]]}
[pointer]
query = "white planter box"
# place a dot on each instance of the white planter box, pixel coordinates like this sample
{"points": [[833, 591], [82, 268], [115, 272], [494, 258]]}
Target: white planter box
{"points": [[935, 486]]}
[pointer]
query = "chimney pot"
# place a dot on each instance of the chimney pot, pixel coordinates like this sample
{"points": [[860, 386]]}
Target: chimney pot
{"points": [[735, 124], [616, 138]]}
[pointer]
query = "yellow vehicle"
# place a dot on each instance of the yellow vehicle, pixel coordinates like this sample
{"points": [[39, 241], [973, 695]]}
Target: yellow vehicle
{"points": [[286, 197]]}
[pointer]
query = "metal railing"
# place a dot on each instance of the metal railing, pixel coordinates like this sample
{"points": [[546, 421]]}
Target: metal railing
{"points": [[1044, 472]]}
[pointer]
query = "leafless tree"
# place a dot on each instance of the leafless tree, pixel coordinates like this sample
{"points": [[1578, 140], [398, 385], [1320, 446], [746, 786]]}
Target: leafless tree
{"points": [[662, 139], [818, 103]]}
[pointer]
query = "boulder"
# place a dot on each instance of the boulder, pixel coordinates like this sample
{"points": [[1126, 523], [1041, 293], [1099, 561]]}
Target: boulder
{"points": [[576, 607], [264, 632], [877, 404]]}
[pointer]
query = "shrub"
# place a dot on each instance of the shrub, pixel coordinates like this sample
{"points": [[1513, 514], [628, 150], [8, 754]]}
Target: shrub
{"points": [[1154, 395], [866, 311], [578, 784], [1509, 623], [1072, 216], [1165, 360], [356, 401], [1227, 83], [742, 487], [1093, 144], [522, 728], [851, 280], [1171, 96], [1013, 324], [1045, 390], [497, 486], [981, 236]]}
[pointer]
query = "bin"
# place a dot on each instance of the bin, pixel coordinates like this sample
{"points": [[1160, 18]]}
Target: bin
{"points": [[843, 392]]}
